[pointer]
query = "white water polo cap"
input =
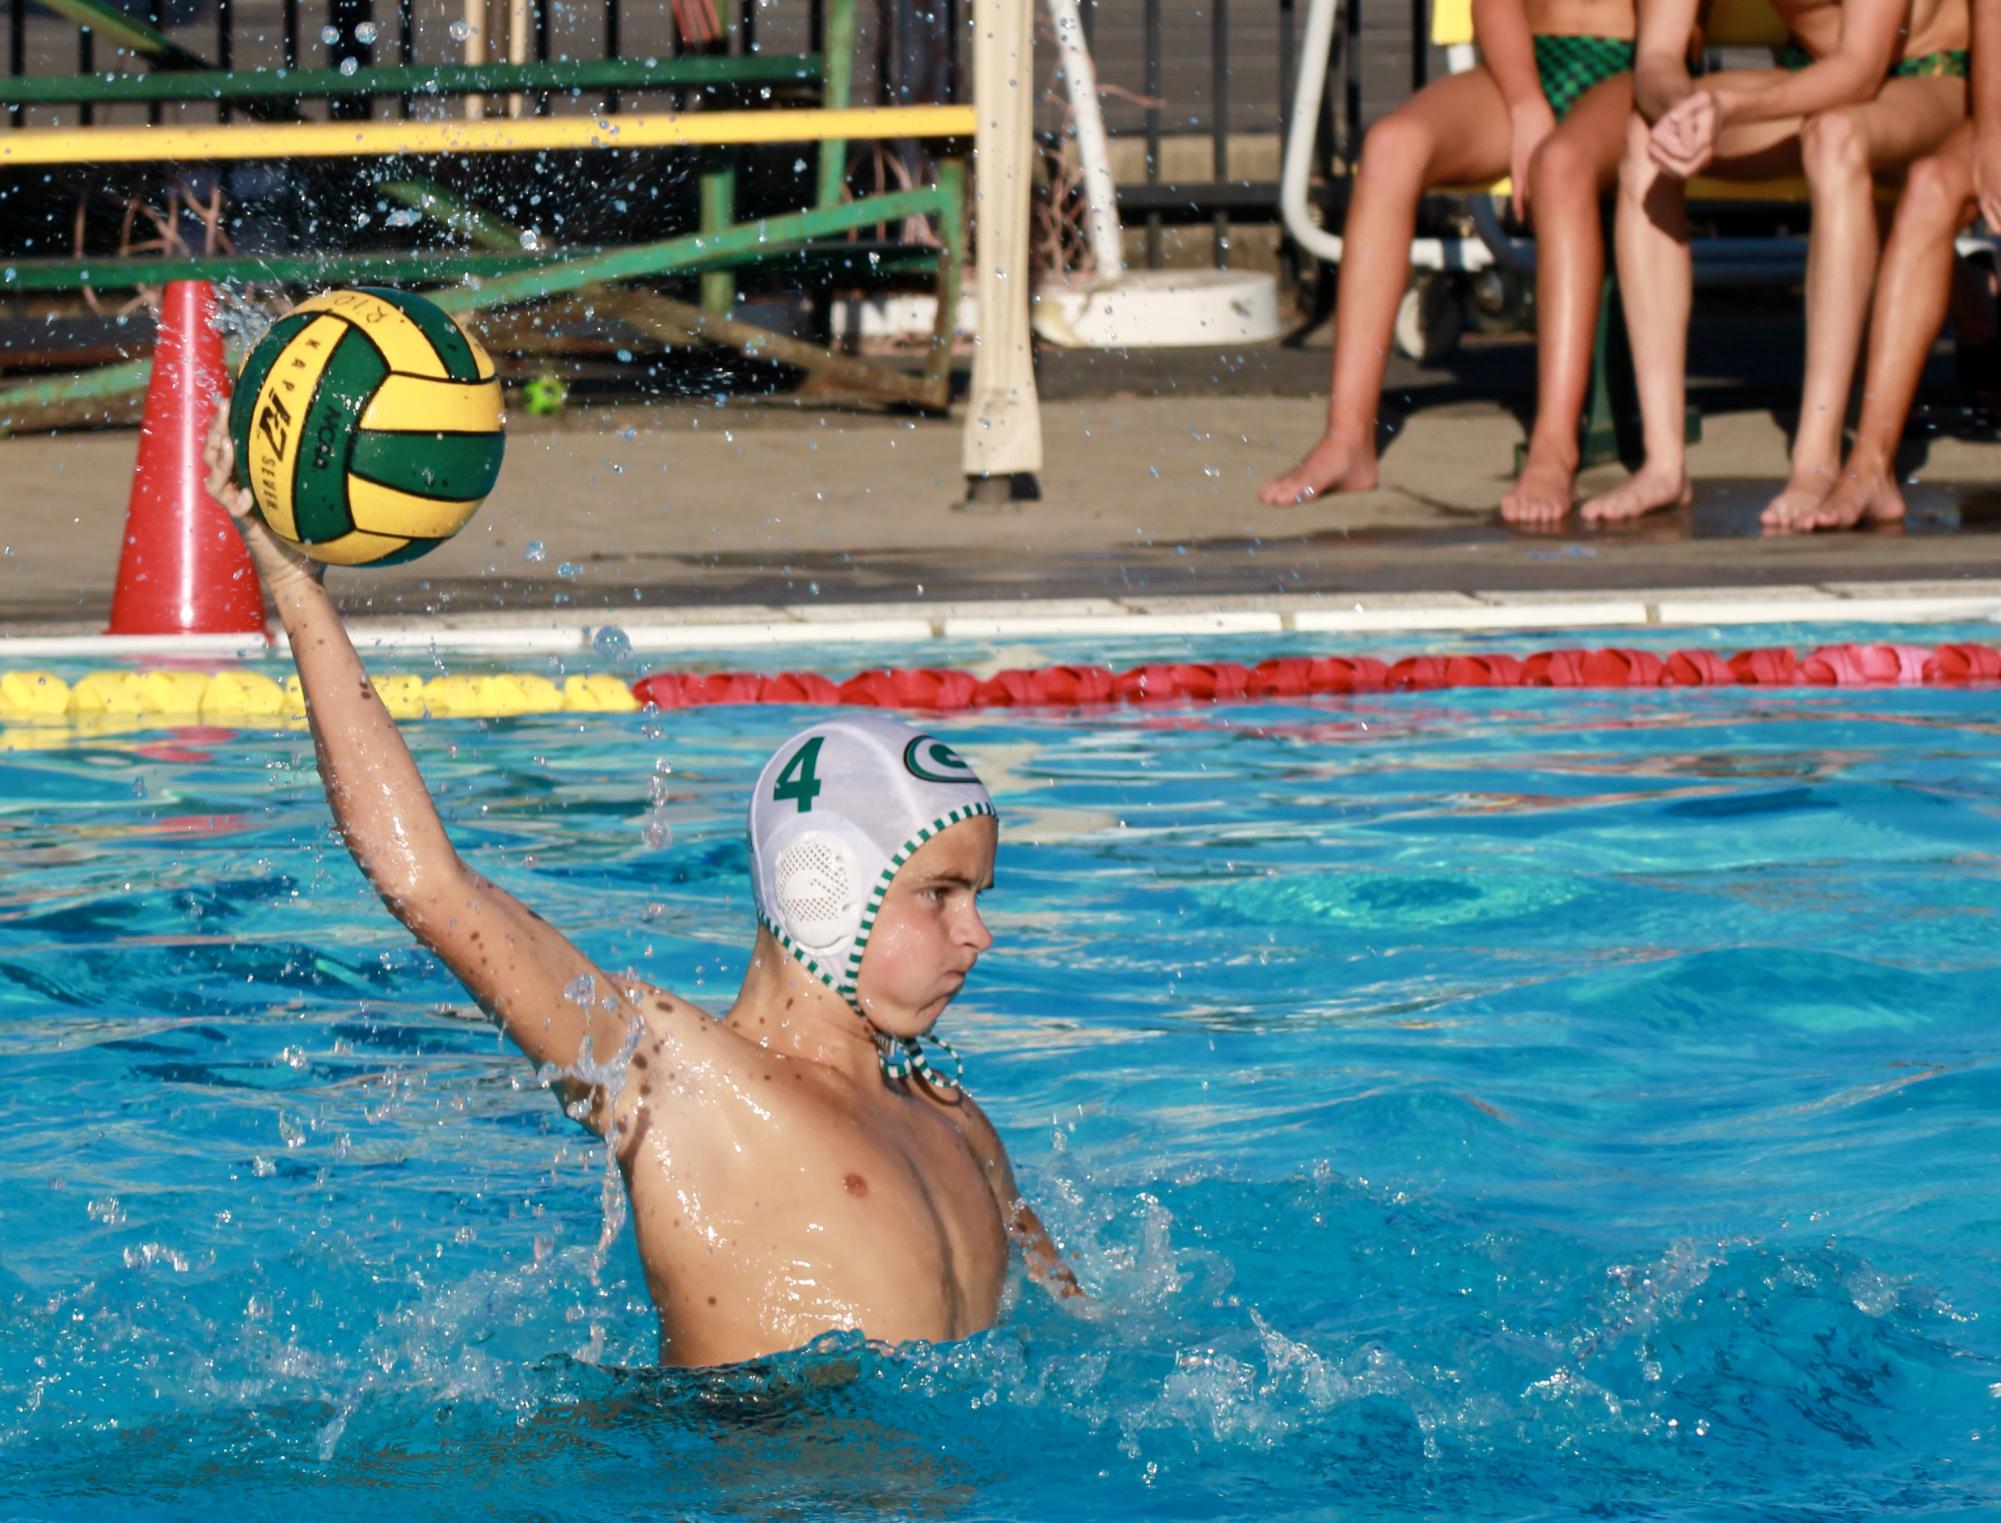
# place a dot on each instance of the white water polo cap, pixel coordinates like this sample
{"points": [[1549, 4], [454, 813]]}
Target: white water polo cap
{"points": [[838, 809]]}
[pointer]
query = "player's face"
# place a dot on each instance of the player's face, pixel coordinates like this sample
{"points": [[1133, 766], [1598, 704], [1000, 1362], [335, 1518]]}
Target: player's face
{"points": [[928, 933]]}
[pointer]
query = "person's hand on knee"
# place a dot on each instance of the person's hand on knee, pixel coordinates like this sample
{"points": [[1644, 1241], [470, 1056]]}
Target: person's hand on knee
{"points": [[1530, 122], [1684, 140]]}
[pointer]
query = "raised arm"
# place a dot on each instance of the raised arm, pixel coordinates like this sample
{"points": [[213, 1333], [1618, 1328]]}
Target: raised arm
{"points": [[516, 965], [1040, 1254]]}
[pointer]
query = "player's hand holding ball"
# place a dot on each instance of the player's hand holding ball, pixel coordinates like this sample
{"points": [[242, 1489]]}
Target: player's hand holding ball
{"points": [[366, 426], [277, 559]]}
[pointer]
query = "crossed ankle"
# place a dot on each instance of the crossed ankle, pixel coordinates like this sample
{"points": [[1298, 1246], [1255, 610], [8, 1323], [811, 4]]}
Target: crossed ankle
{"points": [[1866, 465]]}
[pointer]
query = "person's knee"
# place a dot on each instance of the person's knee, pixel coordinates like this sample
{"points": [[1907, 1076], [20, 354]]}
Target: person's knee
{"points": [[1637, 170], [1399, 145], [1938, 193], [1560, 168], [1834, 148]]}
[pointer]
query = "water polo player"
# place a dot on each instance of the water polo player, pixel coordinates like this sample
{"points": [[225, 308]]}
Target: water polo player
{"points": [[799, 1165]]}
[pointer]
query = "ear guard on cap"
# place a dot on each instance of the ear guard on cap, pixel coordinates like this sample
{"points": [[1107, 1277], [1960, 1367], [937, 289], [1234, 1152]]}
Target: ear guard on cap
{"points": [[816, 890]]}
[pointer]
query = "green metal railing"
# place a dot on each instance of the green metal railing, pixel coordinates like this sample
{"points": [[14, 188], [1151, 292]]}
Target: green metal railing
{"points": [[496, 270], [408, 79]]}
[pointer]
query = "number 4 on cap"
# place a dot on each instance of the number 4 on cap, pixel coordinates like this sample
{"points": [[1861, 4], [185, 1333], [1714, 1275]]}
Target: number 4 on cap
{"points": [[797, 780]]}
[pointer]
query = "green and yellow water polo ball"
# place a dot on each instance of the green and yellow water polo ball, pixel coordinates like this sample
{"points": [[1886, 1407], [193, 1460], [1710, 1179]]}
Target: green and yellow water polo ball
{"points": [[367, 426]]}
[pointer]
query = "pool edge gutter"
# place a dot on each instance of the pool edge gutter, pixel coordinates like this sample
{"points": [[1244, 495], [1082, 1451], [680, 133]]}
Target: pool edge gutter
{"points": [[750, 626]]}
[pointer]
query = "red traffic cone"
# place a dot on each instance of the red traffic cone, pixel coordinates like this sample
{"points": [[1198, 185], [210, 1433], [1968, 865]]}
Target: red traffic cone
{"points": [[183, 568]]}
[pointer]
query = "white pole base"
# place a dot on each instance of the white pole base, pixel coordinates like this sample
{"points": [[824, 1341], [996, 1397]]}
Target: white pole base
{"points": [[1159, 309]]}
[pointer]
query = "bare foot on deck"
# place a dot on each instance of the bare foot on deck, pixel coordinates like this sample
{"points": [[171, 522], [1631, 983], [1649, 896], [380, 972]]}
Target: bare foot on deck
{"points": [[1543, 492], [1647, 490], [1861, 496], [1805, 491], [1332, 465]]}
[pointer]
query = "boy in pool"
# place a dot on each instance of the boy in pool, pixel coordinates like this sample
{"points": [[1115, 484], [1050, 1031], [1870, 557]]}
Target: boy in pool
{"points": [[1866, 88], [796, 1166]]}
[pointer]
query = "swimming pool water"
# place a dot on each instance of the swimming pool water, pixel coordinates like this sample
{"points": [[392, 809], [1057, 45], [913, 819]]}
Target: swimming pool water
{"points": [[1487, 1104]]}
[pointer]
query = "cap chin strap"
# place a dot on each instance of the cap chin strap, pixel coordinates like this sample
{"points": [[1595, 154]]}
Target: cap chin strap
{"points": [[904, 1058], [901, 1057]]}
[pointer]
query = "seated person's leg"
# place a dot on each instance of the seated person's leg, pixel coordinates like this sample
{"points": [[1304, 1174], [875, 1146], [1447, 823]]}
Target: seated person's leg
{"points": [[1656, 288], [1650, 242], [1576, 165], [1843, 152], [1454, 131], [1911, 294]]}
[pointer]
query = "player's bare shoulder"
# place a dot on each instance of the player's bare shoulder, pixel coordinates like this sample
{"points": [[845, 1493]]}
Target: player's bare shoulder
{"points": [[684, 1068]]}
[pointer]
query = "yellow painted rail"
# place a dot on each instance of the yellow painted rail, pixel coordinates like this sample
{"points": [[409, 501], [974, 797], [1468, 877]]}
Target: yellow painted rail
{"points": [[141, 144]]}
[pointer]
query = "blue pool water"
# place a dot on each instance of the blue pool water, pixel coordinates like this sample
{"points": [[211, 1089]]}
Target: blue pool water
{"points": [[1491, 1104]]}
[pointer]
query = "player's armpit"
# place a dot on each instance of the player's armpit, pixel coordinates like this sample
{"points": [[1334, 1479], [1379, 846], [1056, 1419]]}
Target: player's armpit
{"points": [[555, 1004]]}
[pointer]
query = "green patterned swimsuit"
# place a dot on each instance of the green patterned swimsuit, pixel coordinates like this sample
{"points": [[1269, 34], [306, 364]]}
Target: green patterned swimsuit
{"points": [[1950, 64], [1569, 66]]}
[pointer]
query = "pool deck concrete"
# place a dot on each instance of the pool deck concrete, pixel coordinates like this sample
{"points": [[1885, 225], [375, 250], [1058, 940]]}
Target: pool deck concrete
{"points": [[691, 524]]}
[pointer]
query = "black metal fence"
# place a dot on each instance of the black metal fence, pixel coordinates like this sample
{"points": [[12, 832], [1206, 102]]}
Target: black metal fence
{"points": [[271, 34], [1219, 78], [1204, 90]]}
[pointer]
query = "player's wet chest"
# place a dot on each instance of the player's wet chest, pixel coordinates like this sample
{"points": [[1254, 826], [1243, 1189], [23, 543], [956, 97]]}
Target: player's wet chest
{"points": [[931, 1172]]}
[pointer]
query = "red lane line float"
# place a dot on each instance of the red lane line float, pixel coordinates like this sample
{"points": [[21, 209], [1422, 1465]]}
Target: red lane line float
{"points": [[1304, 676], [1964, 663], [1069, 684], [1770, 666], [1857, 665], [1698, 668]]}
